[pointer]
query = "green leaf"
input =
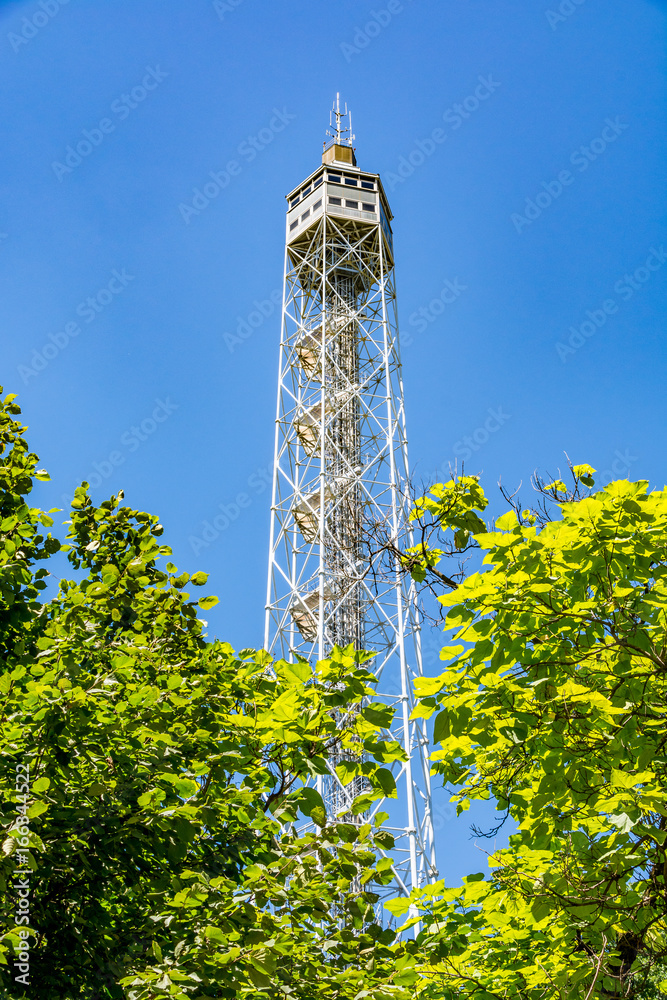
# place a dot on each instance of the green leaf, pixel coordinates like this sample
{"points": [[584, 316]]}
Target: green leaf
{"points": [[319, 816], [623, 822], [186, 787], [362, 803], [441, 729], [398, 907], [378, 715], [347, 770], [215, 934], [287, 707], [36, 809], [309, 800], [426, 687], [207, 602], [385, 780], [540, 911], [583, 471], [298, 672]]}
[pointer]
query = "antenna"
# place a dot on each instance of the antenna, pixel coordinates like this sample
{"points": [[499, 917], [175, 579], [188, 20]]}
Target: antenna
{"points": [[341, 135]]}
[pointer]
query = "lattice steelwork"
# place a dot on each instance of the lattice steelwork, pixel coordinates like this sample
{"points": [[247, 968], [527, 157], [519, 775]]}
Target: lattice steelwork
{"points": [[341, 468]]}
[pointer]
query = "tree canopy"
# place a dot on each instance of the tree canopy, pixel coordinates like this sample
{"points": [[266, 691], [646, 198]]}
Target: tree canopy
{"points": [[553, 702], [170, 834], [161, 830]]}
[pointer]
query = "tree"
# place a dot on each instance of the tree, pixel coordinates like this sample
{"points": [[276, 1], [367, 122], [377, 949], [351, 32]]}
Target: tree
{"points": [[553, 702], [155, 787]]}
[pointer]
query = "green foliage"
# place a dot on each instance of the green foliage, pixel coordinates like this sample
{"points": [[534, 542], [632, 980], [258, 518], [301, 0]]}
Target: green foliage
{"points": [[650, 983], [452, 505], [554, 703], [20, 527], [169, 847]]}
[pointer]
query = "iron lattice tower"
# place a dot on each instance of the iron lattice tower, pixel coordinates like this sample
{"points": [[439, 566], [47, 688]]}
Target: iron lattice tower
{"points": [[341, 471]]}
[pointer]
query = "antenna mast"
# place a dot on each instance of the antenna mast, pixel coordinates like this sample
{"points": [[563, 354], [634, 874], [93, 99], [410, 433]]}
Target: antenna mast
{"points": [[340, 134]]}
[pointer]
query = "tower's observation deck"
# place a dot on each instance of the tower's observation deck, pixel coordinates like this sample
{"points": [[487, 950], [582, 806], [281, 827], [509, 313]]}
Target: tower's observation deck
{"points": [[343, 191], [341, 470]]}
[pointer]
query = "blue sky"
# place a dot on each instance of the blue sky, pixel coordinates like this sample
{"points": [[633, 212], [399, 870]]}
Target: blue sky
{"points": [[529, 234]]}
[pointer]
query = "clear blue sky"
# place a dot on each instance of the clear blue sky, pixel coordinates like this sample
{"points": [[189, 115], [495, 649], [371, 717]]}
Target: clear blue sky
{"points": [[144, 387]]}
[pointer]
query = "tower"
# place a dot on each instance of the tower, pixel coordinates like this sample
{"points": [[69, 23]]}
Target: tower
{"points": [[341, 470]]}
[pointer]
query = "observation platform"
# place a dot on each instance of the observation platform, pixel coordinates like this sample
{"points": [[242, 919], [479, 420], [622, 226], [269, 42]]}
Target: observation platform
{"points": [[340, 189]]}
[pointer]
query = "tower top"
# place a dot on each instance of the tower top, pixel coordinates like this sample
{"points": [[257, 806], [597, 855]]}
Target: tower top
{"points": [[338, 145]]}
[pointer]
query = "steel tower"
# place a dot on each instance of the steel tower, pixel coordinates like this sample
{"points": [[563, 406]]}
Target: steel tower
{"points": [[341, 469]]}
